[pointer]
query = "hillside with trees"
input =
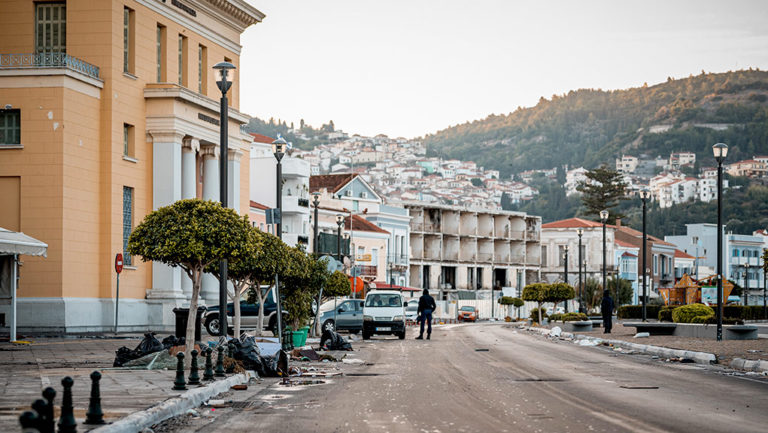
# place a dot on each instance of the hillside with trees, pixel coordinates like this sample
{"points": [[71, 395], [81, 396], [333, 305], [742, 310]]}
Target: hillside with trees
{"points": [[303, 137], [589, 127]]}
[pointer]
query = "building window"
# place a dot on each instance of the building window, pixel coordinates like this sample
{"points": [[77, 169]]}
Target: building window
{"points": [[655, 264], [50, 28], [202, 69], [561, 255], [160, 53], [127, 222], [543, 255], [182, 61], [128, 39], [128, 140], [10, 127]]}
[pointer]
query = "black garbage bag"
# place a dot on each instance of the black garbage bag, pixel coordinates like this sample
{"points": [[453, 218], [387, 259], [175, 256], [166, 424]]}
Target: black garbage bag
{"points": [[333, 341], [172, 341], [246, 351], [149, 344]]}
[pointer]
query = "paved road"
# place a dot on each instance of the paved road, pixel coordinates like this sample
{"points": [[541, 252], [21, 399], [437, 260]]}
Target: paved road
{"points": [[523, 383]]}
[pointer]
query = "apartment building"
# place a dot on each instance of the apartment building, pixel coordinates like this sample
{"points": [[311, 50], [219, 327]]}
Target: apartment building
{"points": [[555, 236], [748, 168], [111, 110], [456, 252], [626, 164]]}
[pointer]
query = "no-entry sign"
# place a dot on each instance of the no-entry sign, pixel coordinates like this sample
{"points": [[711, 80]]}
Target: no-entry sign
{"points": [[118, 263]]}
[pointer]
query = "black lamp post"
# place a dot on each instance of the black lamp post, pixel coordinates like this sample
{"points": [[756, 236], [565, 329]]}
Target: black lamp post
{"points": [[278, 149], [765, 284], [316, 240], [604, 219], [580, 232], [340, 224], [565, 273], [224, 83], [720, 151], [644, 195]]}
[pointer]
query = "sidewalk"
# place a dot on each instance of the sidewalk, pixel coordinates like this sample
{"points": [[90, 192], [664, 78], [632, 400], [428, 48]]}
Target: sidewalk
{"points": [[29, 369]]}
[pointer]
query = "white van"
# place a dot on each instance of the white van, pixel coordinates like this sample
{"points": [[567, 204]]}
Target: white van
{"points": [[384, 314]]}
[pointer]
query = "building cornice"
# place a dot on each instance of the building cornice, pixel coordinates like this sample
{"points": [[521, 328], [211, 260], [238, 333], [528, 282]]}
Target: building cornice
{"points": [[186, 95]]}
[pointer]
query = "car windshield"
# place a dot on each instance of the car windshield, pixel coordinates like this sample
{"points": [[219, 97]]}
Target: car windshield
{"points": [[383, 300], [467, 308]]}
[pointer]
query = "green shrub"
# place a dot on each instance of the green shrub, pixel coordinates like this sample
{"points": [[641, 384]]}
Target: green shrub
{"points": [[749, 312], [636, 311], [686, 313], [574, 317], [555, 317], [705, 319], [712, 320], [535, 314], [665, 313]]}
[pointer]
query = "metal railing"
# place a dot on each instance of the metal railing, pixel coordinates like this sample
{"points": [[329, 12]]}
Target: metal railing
{"points": [[48, 60]]}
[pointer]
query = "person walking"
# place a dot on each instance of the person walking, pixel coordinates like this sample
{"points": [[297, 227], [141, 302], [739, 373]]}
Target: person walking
{"points": [[606, 307], [426, 308]]}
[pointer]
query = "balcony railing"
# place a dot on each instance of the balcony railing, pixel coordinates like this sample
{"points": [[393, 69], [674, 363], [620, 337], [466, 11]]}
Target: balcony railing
{"points": [[50, 61], [304, 202]]}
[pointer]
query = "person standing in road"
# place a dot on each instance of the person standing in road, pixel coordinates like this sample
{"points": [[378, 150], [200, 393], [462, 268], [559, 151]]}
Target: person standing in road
{"points": [[606, 307], [426, 308]]}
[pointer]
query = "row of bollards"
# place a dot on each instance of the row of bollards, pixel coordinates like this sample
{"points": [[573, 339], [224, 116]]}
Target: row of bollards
{"points": [[41, 418], [180, 384]]}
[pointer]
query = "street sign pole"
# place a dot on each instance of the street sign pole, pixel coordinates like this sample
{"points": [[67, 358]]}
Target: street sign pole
{"points": [[118, 269]]}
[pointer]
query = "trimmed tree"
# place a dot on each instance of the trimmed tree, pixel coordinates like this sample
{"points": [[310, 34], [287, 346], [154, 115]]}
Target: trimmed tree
{"points": [[515, 302], [271, 260], [190, 234], [297, 300], [559, 292], [536, 292]]}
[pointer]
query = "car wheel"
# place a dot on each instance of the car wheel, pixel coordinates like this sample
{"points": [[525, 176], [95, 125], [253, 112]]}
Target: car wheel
{"points": [[328, 325], [366, 336], [213, 326], [401, 335]]}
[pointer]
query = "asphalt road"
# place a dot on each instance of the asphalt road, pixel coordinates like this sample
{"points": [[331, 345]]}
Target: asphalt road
{"points": [[522, 383]]}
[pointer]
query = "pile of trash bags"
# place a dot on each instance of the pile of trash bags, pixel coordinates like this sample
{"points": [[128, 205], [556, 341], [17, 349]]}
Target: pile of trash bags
{"points": [[245, 350], [333, 341], [149, 344]]}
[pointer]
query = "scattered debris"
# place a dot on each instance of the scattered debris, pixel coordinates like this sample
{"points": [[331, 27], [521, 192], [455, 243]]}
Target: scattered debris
{"points": [[352, 361], [587, 343], [219, 403], [482, 350], [149, 344], [333, 341], [556, 331], [242, 387], [247, 352], [305, 354], [642, 335], [639, 387]]}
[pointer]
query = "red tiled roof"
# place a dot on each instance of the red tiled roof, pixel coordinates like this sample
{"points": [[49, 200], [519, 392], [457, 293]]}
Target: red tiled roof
{"points": [[628, 254], [360, 224], [259, 138], [257, 205], [683, 255], [571, 223], [331, 182], [624, 244]]}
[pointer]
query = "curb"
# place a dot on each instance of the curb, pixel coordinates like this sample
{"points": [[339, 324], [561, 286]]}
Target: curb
{"points": [[174, 406], [697, 357], [746, 364]]}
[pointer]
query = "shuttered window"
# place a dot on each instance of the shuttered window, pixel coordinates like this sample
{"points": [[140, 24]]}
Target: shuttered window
{"points": [[50, 28]]}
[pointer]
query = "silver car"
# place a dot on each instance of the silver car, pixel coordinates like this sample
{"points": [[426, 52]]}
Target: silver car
{"points": [[348, 316]]}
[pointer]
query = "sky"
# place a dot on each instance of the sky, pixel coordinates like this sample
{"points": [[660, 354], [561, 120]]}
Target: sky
{"points": [[412, 67]]}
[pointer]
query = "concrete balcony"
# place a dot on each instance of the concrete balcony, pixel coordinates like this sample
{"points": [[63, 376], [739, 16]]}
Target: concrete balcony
{"points": [[294, 239], [295, 205], [746, 261], [48, 61], [295, 167]]}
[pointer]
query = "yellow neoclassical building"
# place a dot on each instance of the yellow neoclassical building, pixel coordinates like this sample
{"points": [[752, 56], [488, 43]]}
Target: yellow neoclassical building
{"points": [[109, 109]]}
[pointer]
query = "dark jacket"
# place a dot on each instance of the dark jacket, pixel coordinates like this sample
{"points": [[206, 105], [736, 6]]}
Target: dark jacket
{"points": [[426, 302], [606, 307]]}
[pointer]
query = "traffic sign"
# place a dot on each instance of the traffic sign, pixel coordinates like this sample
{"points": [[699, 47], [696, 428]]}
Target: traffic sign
{"points": [[119, 263]]}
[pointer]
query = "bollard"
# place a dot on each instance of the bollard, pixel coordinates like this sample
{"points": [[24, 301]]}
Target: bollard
{"points": [[95, 414], [220, 363], [179, 384], [29, 422], [67, 423], [208, 373], [194, 378], [41, 408], [50, 422]]}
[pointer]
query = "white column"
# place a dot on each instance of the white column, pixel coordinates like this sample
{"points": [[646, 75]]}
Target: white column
{"points": [[188, 190], [233, 179], [166, 189], [210, 289]]}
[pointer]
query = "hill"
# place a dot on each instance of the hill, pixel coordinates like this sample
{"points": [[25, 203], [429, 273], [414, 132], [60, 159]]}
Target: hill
{"points": [[591, 126]]}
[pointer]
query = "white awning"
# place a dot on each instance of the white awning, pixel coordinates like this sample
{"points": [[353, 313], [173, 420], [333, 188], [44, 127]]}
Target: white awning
{"points": [[16, 243]]}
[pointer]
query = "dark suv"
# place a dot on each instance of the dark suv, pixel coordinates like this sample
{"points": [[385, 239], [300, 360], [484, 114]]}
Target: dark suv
{"points": [[249, 316]]}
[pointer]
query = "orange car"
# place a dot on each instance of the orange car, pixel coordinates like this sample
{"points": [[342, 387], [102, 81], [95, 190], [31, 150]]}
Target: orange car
{"points": [[467, 313]]}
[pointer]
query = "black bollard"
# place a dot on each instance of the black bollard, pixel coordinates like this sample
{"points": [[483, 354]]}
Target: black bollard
{"points": [[194, 377], [208, 373], [179, 384], [67, 423], [30, 422], [220, 363], [50, 422], [41, 408], [95, 414]]}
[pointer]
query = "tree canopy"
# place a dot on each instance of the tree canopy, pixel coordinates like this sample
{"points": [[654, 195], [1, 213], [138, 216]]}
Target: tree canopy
{"points": [[603, 189]]}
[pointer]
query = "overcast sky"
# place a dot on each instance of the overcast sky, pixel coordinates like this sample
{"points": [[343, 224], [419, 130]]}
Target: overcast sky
{"points": [[412, 67]]}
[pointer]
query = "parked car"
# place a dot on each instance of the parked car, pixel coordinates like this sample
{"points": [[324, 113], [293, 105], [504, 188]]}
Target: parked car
{"points": [[467, 313], [348, 316], [411, 311], [384, 314], [249, 316]]}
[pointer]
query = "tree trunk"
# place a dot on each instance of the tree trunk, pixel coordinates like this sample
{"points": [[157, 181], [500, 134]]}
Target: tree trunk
{"points": [[540, 321], [260, 295], [189, 337], [239, 289]]}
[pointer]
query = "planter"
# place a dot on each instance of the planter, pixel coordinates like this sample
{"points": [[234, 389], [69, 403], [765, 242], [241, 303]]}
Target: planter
{"points": [[577, 326], [300, 337]]}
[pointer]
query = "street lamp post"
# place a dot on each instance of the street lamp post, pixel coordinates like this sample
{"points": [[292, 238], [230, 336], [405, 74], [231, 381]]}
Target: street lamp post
{"points": [[224, 83], [720, 151], [580, 232], [278, 149], [565, 273], [604, 219], [340, 224], [644, 194], [316, 239]]}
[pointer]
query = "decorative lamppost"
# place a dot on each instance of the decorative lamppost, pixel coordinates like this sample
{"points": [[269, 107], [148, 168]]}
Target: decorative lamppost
{"points": [[316, 239], [224, 83], [565, 273], [644, 195], [604, 219], [340, 224], [278, 149], [720, 151], [580, 232]]}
